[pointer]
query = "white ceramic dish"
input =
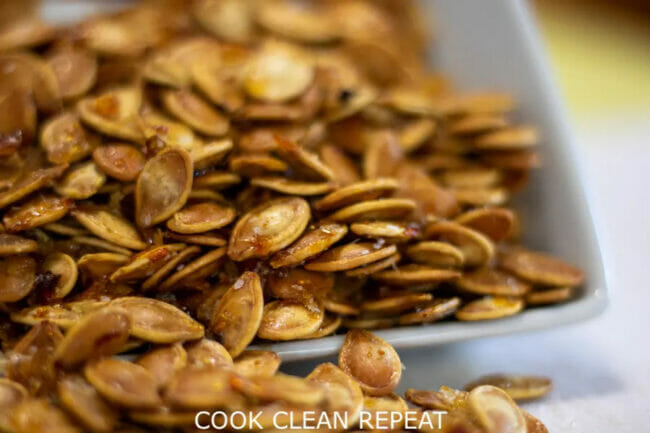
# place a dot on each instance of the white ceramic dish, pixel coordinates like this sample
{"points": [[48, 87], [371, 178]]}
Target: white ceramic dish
{"points": [[490, 45]]}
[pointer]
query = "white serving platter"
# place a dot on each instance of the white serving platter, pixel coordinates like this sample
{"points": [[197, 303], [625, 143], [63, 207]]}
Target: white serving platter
{"points": [[489, 45]]}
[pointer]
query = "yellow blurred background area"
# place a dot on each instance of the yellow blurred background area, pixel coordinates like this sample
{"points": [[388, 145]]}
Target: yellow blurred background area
{"points": [[600, 52]]}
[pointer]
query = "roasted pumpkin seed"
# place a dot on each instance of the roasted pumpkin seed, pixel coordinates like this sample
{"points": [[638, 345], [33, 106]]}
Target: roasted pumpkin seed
{"points": [[309, 245], [239, 314], [371, 361], [490, 308], [163, 186], [517, 387], [349, 256]]}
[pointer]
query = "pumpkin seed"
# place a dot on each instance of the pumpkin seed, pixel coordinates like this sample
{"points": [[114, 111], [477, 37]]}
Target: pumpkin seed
{"points": [[409, 275], [192, 110], [208, 353], [196, 270], [387, 208], [123, 383], [120, 161], [434, 311], [99, 333], [490, 308], [549, 296], [17, 277], [277, 74], [239, 314], [81, 181], [75, 70], [64, 139], [163, 186], [517, 387], [309, 245], [113, 113], [108, 226], [268, 228], [495, 410], [257, 362], [435, 253], [157, 321], [163, 362], [349, 256], [38, 211], [539, 268], [83, 401], [371, 361], [200, 388], [289, 320], [66, 268], [356, 192], [201, 217]]}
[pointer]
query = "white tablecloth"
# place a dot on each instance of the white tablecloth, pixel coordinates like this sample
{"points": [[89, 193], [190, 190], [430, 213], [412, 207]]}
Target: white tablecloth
{"points": [[601, 368]]}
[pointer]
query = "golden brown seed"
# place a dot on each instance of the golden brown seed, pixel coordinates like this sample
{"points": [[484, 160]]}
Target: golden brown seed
{"points": [[486, 281], [508, 139], [83, 401], [123, 383], [65, 268], [257, 362], [75, 70], [489, 308], [161, 132], [100, 244], [387, 208], [433, 253], [288, 320], [396, 303], [415, 134], [31, 362], [11, 395], [277, 73], [539, 268], [145, 263], [268, 228], [157, 321], [349, 256], [195, 112], [307, 25], [517, 387], [299, 285], [42, 209], [239, 313], [113, 113], [201, 217], [496, 411], [348, 397], [287, 186], [436, 310], [549, 296], [363, 322], [344, 169], [40, 416], [304, 162], [477, 123], [357, 192], [253, 165], [29, 183], [282, 387], [200, 388], [329, 326], [371, 361], [390, 403], [208, 353], [100, 333], [17, 277], [216, 180], [163, 362], [156, 279], [121, 161], [309, 245], [108, 226], [206, 239], [477, 249], [96, 266], [81, 181], [64, 139], [409, 275], [495, 223], [194, 271], [62, 315], [435, 400], [163, 186], [377, 266], [162, 417], [392, 231]]}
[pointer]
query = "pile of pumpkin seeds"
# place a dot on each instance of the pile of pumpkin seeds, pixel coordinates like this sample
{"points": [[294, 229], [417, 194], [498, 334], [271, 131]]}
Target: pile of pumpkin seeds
{"points": [[243, 171], [70, 383]]}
